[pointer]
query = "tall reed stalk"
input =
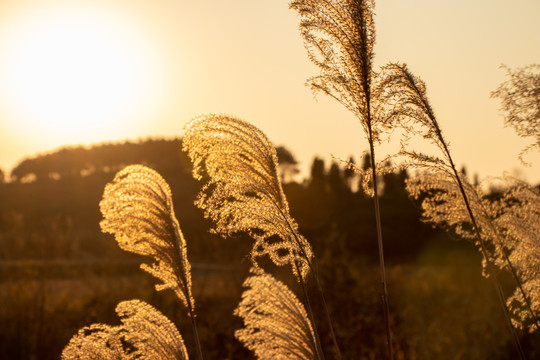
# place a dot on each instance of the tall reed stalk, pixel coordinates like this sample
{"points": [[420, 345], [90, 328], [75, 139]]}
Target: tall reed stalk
{"points": [[381, 252], [410, 106], [339, 37]]}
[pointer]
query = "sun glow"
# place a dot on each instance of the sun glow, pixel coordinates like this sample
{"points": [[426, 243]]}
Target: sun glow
{"points": [[78, 73]]}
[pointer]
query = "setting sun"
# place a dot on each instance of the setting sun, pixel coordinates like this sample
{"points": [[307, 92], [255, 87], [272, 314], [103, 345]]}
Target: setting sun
{"points": [[77, 72]]}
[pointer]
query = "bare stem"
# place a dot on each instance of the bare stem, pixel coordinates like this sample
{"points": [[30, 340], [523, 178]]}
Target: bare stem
{"points": [[328, 318], [195, 331], [380, 244], [320, 354], [316, 277]]}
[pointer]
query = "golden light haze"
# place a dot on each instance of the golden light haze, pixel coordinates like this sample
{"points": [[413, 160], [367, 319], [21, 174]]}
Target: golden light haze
{"points": [[87, 71]]}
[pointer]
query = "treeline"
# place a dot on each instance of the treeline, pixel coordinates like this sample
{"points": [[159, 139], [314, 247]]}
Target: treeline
{"points": [[50, 206]]}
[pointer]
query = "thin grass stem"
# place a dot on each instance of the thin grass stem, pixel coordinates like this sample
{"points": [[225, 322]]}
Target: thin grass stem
{"points": [[386, 309], [315, 272], [193, 317], [320, 353]]}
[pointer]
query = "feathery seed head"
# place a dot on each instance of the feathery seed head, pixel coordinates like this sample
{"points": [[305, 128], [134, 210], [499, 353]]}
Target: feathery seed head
{"points": [[520, 102], [403, 101], [520, 224], [510, 227], [339, 37], [276, 323], [444, 206], [137, 208], [243, 192], [145, 333]]}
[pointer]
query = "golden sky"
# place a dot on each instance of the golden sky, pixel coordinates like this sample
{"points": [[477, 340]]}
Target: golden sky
{"points": [[85, 71]]}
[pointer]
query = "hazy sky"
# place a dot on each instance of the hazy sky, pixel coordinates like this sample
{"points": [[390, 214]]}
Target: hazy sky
{"points": [[99, 70]]}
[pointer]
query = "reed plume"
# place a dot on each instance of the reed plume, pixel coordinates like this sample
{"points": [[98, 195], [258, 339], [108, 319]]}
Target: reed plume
{"points": [[520, 103], [520, 224], [339, 36], [509, 228], [137, 208], [243, 192], [452, 200], [145, 333], [276, 323], [443, 206]]}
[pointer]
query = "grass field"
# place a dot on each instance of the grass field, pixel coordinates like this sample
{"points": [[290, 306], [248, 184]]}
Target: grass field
{"points": [[441, 306]]}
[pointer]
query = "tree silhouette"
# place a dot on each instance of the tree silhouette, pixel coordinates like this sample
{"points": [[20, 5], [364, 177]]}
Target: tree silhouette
{"points": [[337, 182], [317, 170], [287, 164], [348, 173]]}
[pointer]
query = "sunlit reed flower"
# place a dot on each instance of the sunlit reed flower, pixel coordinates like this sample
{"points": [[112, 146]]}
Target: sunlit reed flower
{"points": [[137, 208], [276, 323], [243, 192], [145, 333]]}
